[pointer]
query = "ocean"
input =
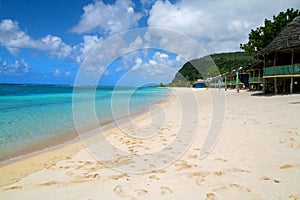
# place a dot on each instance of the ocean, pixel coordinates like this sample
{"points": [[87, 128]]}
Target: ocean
{"points": [[35, 117]]}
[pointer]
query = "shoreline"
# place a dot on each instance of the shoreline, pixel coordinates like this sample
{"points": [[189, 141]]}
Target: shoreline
{"points": [[75, 143], [33, 148], [256, 157]]}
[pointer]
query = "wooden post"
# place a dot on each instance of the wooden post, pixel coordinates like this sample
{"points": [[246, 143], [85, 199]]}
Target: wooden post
{"points": [[264, 86], [291, 86], [249, 79], [275, 79], [237, 82], [225, 84], [264, 80], [292, 79]]}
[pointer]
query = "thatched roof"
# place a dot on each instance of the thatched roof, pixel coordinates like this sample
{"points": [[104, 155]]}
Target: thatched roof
{"points": [[289, 37]]}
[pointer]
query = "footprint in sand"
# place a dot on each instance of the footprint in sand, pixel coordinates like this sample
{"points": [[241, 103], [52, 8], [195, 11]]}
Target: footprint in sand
{"points": [[238, 170], [88, 163], [293, 197], [264, 178], [181, 164], [291, 140], [119, 190], [199, 177], [94, 176], [154, 177], [210, 196], [286, 166], [141, 191], [221, 159], [79, 167], [64, 167], [193, 156], [239, 187], [165, 190], [49, 165], [219, 173], [233, 186], [117, 177]]}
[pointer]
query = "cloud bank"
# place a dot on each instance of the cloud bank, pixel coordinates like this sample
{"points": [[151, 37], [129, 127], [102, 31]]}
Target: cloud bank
{"points": [[15, 39], [107, 19], [217, 25]]}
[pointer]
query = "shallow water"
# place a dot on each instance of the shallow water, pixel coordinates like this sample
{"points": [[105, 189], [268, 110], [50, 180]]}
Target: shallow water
{"points": [[33, 117]]}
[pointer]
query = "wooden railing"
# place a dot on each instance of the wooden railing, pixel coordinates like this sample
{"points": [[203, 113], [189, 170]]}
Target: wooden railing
{"points": [[282, 70], [255, 80]]}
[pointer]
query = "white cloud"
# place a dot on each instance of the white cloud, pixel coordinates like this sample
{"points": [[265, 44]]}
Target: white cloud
{"points": [[159, 67], [55, 46], [68, 73], [174, 42], [145, 72], [178, 58], [11, 36], [15, 39], [107, 18], [82, 50], [90, 42], [57, 72], [216, 25], [160, 56], [60, 73], [137, 43], [137, 65], [19, 67], [152, 62]]}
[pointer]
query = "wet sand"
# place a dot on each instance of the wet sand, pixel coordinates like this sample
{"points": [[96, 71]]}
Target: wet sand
{"points": [[255, 157]]}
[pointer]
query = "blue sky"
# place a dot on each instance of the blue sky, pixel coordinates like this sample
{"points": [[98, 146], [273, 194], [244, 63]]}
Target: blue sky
{"points": [[51, 42]]}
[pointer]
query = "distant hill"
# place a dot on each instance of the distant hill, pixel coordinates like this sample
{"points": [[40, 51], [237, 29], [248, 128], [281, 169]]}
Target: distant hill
{"points": [[209, 66]]}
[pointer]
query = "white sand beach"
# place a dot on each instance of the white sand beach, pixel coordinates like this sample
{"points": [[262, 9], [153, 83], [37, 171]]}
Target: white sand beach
{"points": [[157, 155]]}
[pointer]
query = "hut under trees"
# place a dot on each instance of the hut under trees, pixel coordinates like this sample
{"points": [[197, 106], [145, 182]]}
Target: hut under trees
{"points": [[281, 58]]}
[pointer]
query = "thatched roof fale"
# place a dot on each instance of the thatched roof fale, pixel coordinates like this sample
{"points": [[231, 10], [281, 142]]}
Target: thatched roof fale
{"points": [[289, 37]]}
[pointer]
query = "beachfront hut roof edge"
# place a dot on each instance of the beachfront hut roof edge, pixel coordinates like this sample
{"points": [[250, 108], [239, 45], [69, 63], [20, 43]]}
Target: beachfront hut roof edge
{"points": [[289, 37]]}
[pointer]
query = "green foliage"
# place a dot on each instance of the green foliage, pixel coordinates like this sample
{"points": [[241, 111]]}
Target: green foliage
{"points": [[209, 66], [229, 61], [213, 71], [262, 36], [161, 85]]}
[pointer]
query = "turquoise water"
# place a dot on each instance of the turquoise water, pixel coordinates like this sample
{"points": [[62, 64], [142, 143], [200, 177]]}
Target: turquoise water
{"points": [[34, 117]]}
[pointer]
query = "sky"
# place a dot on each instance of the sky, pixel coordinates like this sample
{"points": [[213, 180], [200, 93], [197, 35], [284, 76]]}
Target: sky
{"points": [[122, 42]]}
